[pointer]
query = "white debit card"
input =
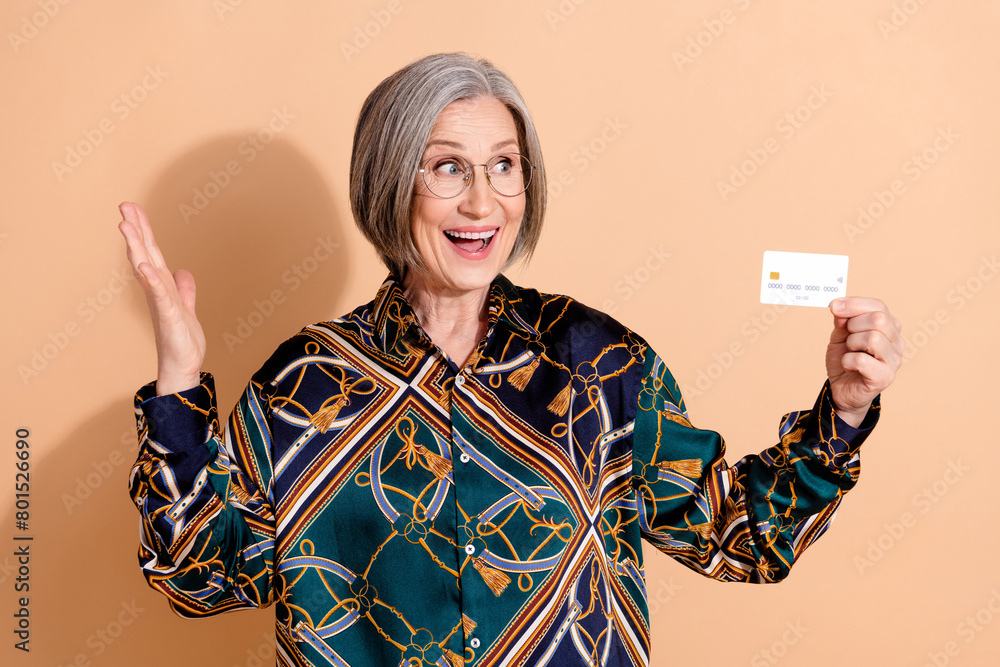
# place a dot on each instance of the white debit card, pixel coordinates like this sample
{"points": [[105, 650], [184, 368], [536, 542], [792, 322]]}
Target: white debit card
{"points": [[802, 278]]}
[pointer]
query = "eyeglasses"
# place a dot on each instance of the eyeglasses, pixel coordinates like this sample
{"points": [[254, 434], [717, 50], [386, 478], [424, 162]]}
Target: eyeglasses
{"points": [[448, 176]]}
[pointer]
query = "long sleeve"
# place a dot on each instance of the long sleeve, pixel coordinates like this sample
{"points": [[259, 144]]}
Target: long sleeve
{"points": [[207, 524], [749, 521]]}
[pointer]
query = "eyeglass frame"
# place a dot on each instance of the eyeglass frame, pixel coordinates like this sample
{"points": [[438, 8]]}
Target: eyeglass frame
{"points": [[471, 174]]}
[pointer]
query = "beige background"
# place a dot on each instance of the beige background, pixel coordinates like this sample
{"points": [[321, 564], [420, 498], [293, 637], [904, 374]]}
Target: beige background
{"points": [[643, 109]]}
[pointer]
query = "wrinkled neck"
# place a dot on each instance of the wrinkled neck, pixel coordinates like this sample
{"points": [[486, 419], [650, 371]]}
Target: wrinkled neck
{"points": [[455, 320]]}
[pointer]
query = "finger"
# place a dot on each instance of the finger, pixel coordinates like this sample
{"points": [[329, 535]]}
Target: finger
{"points": [[849, 306], [130, 215], [882, 322], [138, 217], [152, 283], [876, 320], [875, 374], [160, 297], [874, 343], [135, 250], [185, 288]]}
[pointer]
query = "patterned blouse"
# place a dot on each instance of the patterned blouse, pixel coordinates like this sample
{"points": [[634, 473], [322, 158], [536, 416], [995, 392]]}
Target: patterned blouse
{"points": [[400, 510]]}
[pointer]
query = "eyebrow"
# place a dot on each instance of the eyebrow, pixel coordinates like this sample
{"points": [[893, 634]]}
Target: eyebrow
{"points": [[459, 146]]}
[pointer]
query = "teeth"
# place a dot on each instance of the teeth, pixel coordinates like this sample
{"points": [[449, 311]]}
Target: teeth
{"points": [[472, 235]]}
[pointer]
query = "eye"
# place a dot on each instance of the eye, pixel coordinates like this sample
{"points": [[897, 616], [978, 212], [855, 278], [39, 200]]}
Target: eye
{"points": [[502, 165], [447, 166]]}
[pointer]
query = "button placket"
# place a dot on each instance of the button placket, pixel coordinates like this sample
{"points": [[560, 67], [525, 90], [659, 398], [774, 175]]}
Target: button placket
{"points": [[461, 473]]}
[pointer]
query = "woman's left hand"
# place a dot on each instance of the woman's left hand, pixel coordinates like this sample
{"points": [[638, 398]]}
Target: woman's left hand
{"points": [[865, 351]]}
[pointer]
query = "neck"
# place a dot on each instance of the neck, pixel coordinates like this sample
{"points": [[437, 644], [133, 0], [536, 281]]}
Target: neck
{"points": [[454, 319]]}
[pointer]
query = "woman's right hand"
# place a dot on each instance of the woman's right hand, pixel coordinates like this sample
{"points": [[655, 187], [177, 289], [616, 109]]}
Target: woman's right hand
{"points": [[180, 341]]}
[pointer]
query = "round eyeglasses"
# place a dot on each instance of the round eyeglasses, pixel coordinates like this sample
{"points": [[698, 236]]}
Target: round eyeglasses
{"points": [[447, 176]]}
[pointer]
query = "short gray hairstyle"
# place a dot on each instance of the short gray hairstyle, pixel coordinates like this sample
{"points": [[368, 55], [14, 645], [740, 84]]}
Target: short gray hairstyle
{"points": [[393, 128]]}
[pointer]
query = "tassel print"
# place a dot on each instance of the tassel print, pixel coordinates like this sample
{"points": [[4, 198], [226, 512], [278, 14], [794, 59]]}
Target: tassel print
{"points": [[453, 658], [705, 530], [520, 377], [325, 417], [444, 400], [439, 465], [731, 510], [411, 349], [560, 404], [468, 625], [687, 467], [495, 579]]}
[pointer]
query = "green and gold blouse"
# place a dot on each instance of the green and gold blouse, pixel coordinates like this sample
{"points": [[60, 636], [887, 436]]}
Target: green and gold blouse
{"points": [[397, 509]]}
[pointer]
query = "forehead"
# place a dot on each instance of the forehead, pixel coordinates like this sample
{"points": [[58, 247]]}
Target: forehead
{"points": [[477, 124]]}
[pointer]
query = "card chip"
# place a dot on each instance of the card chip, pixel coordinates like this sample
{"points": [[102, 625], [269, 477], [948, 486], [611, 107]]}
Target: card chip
{"points": [[774, 275]]}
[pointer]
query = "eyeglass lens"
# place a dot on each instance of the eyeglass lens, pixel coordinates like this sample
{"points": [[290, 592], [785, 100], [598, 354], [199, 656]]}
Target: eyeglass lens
{"points": [[448, 175]]}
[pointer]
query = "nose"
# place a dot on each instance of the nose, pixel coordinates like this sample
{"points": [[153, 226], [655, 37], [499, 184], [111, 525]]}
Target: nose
{"points": [[479, 199]]}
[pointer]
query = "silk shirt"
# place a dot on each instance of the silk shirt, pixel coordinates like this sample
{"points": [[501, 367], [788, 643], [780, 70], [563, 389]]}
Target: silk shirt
{"points": [[397, 509]]}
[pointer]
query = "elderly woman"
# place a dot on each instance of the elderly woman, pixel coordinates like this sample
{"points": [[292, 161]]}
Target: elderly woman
{"points": [[460, 472]]}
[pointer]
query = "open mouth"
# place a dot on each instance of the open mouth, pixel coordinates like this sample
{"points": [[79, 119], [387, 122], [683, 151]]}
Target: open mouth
{"points": [[471, 241]]}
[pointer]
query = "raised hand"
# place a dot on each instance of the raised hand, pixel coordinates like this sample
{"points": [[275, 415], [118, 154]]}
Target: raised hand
{"points": [[180, 341], [865, 351]]}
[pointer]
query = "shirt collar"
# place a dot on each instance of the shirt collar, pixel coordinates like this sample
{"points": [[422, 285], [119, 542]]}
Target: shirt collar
{"points": [[394, 320]]}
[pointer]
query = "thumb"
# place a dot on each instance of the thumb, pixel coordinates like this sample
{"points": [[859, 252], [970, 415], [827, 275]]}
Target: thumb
{"points": [[185, 288], [839, 322]]}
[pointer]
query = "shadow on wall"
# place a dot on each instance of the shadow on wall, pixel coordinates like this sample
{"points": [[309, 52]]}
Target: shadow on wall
{"points": [[260, 236], [263, 244]]}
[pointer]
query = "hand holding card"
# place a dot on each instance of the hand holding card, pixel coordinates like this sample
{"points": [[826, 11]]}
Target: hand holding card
{"points": [[864, 353], [866, 346]]}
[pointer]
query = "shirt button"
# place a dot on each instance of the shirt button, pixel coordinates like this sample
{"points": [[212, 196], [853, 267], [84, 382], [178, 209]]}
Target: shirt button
{"points": [[474, 642], [460, 380], [470, 548], [464, 458]]}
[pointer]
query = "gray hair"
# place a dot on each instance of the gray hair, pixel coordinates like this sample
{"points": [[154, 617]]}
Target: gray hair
{"points": [[393, 128]]}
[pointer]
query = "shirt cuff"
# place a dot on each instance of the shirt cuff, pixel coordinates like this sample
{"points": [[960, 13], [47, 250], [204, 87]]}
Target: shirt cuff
{"points": [[837, 442], [180, 422], [860, 432]]}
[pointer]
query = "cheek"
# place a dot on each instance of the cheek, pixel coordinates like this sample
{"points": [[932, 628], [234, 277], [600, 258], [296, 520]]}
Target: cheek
{"points": [[425, 220], [515, 216]]}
